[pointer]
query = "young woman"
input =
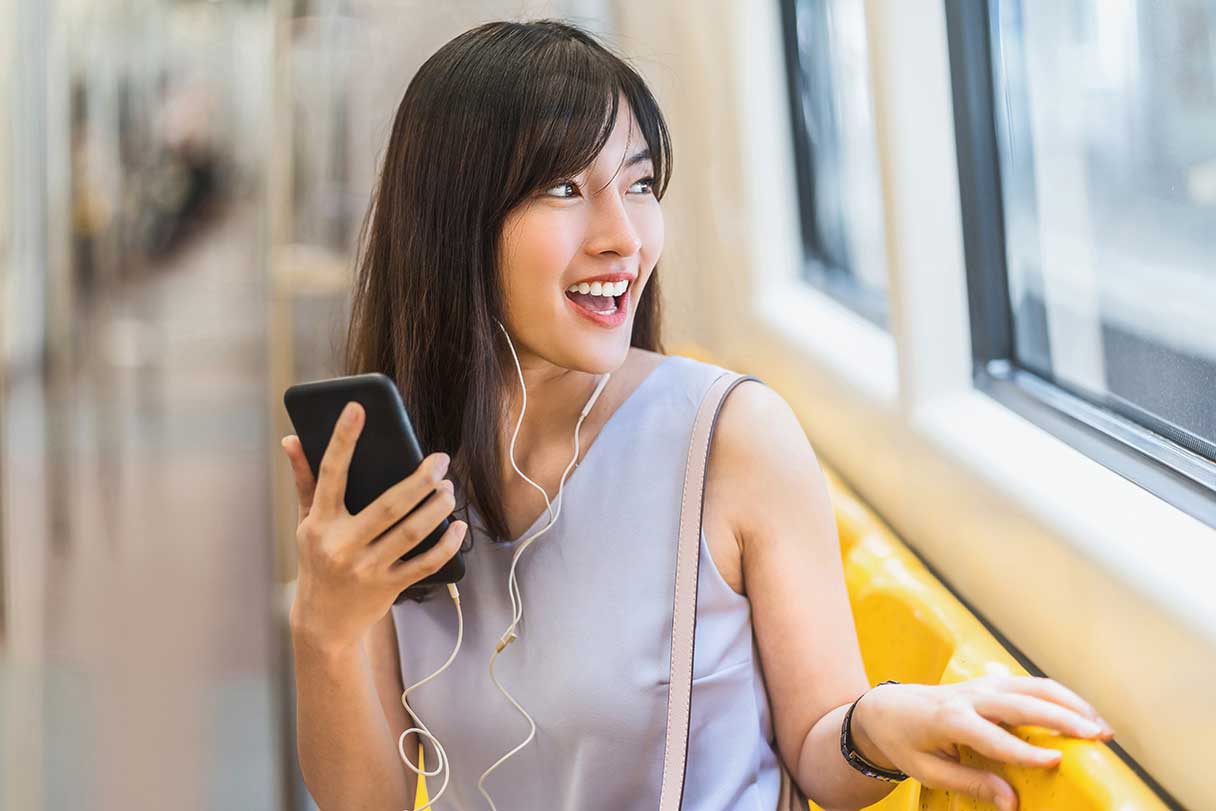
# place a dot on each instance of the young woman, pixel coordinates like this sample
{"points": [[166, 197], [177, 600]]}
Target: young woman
{"points": [[526, 161]]}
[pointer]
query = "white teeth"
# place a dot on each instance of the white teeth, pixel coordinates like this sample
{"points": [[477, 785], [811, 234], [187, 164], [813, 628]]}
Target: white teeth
{"points": [[600, 288]]}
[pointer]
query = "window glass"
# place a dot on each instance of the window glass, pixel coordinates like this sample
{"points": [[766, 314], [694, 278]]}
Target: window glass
{"points": [[1106, 131], [836, 150]]}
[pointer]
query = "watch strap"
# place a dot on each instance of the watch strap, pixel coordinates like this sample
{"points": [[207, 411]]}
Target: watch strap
{"points": [[854, 758]]}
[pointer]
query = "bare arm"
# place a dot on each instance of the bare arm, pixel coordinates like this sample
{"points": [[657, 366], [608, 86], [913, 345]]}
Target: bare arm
{"points": [[782, 513], [386, 671], [795, 582], [349, 717]]}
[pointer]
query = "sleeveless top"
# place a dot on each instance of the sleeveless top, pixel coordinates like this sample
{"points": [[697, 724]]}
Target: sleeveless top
{"points": [[591, 664]]}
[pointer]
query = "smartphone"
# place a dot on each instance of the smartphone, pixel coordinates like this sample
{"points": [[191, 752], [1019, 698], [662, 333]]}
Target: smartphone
{"points": [[386, 451]]}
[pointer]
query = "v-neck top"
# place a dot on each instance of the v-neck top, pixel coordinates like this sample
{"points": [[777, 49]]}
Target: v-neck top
{"points": [[592, 661], [543, 518]]}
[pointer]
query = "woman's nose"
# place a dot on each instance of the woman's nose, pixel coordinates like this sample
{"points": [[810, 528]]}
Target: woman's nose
{"points": [[613, 228]]}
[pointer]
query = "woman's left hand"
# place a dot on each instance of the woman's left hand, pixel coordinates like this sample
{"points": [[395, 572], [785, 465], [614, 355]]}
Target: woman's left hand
{"points": [[917, 729]]}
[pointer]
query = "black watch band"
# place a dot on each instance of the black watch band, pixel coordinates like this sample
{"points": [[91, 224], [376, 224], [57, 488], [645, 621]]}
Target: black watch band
{"points": [[854, 758]]}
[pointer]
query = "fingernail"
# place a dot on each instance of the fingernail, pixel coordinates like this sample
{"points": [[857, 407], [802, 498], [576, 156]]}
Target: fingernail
{"points": [[283, 443], [1089, 728], [348, 414], [444, 461]]}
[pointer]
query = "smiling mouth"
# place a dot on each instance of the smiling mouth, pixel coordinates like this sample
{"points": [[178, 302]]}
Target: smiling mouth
{"points": [[595, 298], [603, 305]]}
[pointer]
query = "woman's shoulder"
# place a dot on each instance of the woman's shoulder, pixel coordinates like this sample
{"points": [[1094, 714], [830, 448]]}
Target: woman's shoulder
{"points": [[756, 426], [696, 374]]}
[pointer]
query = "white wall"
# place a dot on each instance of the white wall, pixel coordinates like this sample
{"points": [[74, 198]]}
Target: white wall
{"points": [[1102, 585]]}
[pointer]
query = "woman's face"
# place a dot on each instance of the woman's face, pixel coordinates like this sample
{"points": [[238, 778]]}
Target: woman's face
{"points": [[602, 224]]}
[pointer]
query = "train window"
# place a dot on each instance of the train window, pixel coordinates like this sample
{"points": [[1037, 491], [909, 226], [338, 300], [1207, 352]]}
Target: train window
{"points": [[836, 153], [1087, 161]]}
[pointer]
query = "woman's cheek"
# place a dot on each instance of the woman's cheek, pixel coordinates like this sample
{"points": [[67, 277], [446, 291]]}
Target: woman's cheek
{"points": [[540, 255], [652, 239]]}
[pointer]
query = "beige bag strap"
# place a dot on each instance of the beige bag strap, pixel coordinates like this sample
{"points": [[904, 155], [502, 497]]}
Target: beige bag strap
{"points": [[684, 613]]}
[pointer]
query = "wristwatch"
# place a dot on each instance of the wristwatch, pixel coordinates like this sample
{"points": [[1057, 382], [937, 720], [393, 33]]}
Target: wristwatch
{"points": [[854, 758]]}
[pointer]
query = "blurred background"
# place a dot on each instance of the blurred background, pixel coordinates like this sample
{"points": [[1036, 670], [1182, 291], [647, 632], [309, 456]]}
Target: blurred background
{"points": [[973, 242]]}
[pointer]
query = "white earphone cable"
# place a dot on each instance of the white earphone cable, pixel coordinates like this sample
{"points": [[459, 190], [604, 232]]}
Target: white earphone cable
{"points": [[512, 583], [440, 752], [517, 607]]}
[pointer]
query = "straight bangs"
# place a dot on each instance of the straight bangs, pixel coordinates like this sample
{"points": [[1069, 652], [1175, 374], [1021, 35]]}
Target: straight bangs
{"points": [[568, 100]]}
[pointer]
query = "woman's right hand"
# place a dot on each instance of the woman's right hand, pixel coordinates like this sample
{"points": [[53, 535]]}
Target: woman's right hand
{"points": [[348, 568]]}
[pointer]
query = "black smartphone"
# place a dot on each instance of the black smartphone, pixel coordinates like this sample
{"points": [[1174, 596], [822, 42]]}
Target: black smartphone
{"points": [[386, 451]]}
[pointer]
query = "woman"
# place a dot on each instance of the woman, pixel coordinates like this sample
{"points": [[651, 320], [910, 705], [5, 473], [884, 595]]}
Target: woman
{"points": [[525, 161]]}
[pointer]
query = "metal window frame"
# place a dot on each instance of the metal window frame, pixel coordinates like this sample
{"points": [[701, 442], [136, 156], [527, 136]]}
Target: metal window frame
{"points": [[8, 39], [1143, 450], [837, 282]]}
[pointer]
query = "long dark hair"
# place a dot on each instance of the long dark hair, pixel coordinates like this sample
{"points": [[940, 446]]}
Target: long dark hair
{"points": [[497, 114]]}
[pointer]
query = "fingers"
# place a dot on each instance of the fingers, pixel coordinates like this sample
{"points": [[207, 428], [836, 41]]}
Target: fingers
{"points": [[402, 497], [936, 772], [411, 530], [302, 473], [995, 743], [1017, 709], [1052, 690], [407, 573], [975, 723], [330, 493]]}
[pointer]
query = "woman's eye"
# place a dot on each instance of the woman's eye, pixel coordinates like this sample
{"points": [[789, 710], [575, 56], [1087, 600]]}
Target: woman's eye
{"points": [[562, 185], [649, 182]]}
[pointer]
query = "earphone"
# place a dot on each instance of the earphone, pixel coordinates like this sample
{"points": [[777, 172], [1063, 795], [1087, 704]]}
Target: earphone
{"points": [[517, 604]]}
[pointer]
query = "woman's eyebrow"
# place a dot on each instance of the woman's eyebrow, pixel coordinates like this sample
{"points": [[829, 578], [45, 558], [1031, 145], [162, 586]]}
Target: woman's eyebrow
{"points": [[638, 157]]}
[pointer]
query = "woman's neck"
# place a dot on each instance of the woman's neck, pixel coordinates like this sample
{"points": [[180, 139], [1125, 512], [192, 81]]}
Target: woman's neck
{"points": [[555, 399]]}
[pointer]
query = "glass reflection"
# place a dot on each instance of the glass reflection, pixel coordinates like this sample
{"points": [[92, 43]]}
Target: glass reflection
{"points": [[1107, 134]]}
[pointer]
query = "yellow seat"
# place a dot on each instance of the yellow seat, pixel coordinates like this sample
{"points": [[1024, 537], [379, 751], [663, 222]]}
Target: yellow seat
{"points": [[911, 628]]}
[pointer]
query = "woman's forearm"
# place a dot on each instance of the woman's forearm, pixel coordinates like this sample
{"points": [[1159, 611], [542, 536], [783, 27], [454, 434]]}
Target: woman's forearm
{"points": [[348, 756], [825, 775]]}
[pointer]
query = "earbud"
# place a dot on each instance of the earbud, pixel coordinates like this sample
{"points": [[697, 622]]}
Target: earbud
{"points": [[517, 603]]}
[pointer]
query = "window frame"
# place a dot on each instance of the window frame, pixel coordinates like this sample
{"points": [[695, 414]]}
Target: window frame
{"points": [[824, 276], [1160, 461]]}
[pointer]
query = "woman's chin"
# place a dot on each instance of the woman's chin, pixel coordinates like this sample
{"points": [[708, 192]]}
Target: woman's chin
{"points": [[597, 357]]}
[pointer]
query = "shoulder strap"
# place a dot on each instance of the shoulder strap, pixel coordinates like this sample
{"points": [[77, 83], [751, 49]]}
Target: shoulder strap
{"points": [[684, 614]]}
